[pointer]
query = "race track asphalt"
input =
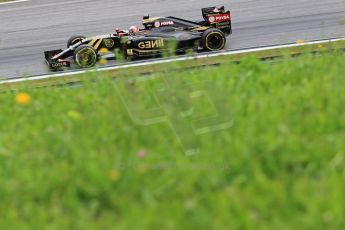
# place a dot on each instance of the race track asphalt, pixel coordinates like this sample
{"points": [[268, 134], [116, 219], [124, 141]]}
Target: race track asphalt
{"points": [[29, 28]]}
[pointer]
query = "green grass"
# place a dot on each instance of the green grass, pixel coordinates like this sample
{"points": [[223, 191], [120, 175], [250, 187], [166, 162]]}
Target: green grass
{"points": [[69, 159]]}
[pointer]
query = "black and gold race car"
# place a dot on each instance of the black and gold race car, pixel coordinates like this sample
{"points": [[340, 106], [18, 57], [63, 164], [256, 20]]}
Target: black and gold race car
{"points": [[153, 40]]}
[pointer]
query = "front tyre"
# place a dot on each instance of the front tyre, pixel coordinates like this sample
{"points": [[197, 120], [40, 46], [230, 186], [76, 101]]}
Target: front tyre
{"points": [[85, 56], [74, 40], [213, 40]]}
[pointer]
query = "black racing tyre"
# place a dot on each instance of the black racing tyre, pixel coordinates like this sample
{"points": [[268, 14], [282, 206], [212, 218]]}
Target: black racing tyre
{"points": [[213, 40], [85, 56], [74, 40]]}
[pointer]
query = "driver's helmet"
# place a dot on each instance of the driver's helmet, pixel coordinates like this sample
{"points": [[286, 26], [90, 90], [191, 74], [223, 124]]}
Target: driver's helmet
{"points": [[134, 29]]}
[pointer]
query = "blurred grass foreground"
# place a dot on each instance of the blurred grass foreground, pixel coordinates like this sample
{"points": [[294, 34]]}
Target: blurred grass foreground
{"points": [[248, 146]]}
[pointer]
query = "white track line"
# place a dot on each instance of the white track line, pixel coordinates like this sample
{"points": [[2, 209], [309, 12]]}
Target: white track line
{"points": [[11, 2], [202, 56]]}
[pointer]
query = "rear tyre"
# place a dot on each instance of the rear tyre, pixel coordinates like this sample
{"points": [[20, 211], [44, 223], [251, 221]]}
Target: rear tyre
{"points": [[213, 40], [85, 56], [74, 40]]}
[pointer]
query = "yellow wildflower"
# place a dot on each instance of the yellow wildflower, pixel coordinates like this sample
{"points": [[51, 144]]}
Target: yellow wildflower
{"points": [[103, 50], [23, 99], [103, 61]]}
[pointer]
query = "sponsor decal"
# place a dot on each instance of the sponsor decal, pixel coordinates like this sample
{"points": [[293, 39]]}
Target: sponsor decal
{"points": [[211, 19], [167, 23], [223, 24], [151, 44], [157, 24], [109, 43], [219, 18], [55, 65]]}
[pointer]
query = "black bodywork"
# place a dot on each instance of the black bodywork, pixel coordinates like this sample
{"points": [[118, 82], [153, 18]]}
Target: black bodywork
{"points": [[157, 37]]}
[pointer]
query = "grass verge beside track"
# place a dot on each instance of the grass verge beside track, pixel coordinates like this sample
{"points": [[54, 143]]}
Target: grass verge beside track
{"points": [[117, 153]]}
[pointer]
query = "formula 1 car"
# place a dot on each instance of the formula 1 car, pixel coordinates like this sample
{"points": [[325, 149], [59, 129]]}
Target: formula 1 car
{"points": [[153, 40]]}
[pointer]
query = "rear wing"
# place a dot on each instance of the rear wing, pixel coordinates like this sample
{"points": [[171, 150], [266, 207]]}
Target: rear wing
{"points": [[218, 17]]}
